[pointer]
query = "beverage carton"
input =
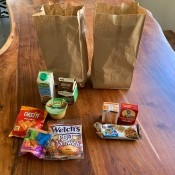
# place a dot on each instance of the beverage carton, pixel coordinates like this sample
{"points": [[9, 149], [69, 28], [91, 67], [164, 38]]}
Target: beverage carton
{"points": [[45, 83]]}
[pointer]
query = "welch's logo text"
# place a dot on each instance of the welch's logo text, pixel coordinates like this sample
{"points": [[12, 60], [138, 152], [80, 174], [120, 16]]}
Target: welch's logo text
{"points": [[63, 129]]}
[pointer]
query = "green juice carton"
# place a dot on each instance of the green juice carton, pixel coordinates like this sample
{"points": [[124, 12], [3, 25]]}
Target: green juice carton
{"points": [[46, 86], [67, 89]]}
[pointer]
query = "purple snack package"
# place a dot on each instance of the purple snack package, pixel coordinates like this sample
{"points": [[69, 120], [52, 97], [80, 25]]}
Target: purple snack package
{"points": [[35, 142]]}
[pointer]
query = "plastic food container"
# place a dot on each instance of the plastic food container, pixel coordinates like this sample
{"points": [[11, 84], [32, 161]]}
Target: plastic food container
{"points": [[56, 107]]}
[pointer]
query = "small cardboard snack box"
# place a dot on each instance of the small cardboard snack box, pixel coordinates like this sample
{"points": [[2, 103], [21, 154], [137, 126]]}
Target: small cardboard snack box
{"points": [[110, 112], [67, 89], [128, 114]]}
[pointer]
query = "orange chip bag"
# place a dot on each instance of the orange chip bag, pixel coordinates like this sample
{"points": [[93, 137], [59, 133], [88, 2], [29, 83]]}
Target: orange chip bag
{"points": [[28, 117]]}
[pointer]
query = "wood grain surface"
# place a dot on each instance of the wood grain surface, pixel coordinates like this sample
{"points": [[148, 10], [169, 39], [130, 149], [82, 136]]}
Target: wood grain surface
{"points": [[153, 89]]}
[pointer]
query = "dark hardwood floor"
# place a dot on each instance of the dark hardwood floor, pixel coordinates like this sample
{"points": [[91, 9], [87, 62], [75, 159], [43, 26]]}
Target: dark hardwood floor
{"points": [[170, 36]]}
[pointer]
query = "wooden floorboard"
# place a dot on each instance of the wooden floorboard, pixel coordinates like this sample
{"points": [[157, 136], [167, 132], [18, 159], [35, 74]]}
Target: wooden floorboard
{"points": [[170, 36]]}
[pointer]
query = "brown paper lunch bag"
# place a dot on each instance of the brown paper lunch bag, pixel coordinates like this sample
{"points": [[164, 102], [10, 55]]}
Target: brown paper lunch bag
{"points": [[60, 30], [117, 34]]}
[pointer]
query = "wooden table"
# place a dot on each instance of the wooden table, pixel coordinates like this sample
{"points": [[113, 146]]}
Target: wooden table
{"points": [[153, 89]]}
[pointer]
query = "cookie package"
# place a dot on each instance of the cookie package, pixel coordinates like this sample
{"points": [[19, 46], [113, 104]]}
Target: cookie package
{"points": [[66, 140], [113, 131]]}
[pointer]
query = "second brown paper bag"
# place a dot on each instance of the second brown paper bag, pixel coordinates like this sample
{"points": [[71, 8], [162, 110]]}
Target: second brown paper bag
{"points": [[61, 35], [117, 34]]}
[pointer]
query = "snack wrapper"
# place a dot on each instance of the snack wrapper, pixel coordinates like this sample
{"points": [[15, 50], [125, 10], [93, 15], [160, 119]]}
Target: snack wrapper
{"points": [[66, 140], [28, 117], [113, 131], [35, 142]]}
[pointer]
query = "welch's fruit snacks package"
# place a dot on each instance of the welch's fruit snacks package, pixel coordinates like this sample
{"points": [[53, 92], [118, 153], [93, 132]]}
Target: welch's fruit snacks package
{"points": [[66, 140]]}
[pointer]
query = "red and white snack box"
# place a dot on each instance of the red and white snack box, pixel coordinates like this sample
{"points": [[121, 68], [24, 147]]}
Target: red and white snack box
{"points": [[128, 114]]}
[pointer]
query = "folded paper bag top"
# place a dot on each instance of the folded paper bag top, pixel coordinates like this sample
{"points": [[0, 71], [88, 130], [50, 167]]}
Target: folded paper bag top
{"points": [[117, 34], [124, 8], [61, 9], [61, 37]]}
